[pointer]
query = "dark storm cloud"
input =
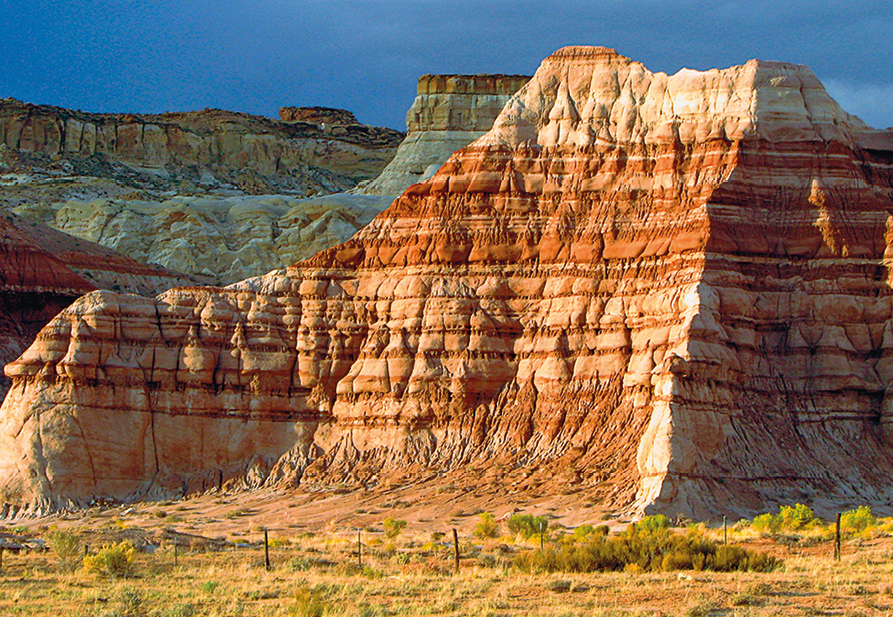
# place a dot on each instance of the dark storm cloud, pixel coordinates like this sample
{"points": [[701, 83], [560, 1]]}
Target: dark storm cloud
{"points": [[366, 55]]}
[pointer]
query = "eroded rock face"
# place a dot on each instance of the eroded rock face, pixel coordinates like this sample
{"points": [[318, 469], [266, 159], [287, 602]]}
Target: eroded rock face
{"points": [[209, 148], [42, 271], [674, 286], [450, 112], [224, 238]]}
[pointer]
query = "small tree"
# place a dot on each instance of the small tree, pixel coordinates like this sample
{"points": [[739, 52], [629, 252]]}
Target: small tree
{"points": [[527, 526]]}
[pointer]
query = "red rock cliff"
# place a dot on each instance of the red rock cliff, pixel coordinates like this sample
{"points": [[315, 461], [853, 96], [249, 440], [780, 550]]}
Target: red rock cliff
{"points": [[675, 286]]}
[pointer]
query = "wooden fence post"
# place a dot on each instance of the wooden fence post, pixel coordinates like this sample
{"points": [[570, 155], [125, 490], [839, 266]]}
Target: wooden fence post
{"points": [[725, 531], [266, 551], [542, 536], [456, 550], [359, 550], [175, 551], [837, 539]]}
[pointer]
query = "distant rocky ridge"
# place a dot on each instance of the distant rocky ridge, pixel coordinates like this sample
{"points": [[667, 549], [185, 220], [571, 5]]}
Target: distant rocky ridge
{"points": [[674, 289], [450, 112], [229, 236], [201, 150]]}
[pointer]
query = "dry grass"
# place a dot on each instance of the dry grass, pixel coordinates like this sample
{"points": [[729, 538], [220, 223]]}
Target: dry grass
{"points": [[317, 575]]}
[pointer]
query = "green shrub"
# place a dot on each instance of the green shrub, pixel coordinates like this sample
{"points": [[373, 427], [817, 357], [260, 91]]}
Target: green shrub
{"points": [[486, 527], [648, 548], [392, 527], [857, 521], [67, 548], [651, 524], [527, 526], [115, 560]]}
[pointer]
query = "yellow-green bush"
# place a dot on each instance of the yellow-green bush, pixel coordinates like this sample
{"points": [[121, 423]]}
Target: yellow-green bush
{"points": [[766, 523], [584, 531], [67, 547], [795, 518], [798, 517], [486, 527], [117, 560], [857, 521], [653, 523], [648, 548]]}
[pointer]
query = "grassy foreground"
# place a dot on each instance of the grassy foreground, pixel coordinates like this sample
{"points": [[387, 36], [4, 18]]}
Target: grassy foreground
{"points": [[412, 574]]}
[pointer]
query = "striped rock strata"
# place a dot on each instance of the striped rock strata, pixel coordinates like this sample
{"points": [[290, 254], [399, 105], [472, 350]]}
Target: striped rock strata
{"points": [[42, 271], [674, 287], [450, 112]]}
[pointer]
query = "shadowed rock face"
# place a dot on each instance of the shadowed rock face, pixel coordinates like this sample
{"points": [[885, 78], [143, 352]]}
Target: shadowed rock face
{"points": [[225, 238], [675, 286], [203, 148]]}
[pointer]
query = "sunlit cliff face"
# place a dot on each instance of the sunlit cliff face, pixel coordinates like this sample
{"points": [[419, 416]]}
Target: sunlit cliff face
{"points": [[674, 286]]}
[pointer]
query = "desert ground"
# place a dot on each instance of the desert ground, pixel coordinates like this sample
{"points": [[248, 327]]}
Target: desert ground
{"points": [[205, 555]]}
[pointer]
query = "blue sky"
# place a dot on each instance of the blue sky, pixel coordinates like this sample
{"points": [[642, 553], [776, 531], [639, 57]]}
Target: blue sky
{"points": [[366, 55]]}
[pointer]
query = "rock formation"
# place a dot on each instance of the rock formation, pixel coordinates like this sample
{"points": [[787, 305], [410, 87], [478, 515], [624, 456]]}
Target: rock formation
{"points": [[674, 287], [233, 237], [226, 238], [317, 115], [42, 271], [198, 150], [450, 112]]}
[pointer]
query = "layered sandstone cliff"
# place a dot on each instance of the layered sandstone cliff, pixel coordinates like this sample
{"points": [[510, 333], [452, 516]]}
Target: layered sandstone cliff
{"points": [[449, 112], [675, 287], [202, 149], [42, 271]]}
